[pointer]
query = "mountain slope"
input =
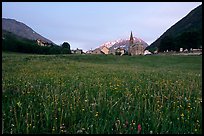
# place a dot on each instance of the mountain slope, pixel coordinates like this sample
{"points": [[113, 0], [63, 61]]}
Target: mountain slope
{"points": [[22, 30], [14, 43], [191, 22]]}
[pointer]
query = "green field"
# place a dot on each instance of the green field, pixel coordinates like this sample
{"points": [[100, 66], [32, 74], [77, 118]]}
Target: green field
{"points": [[101, 94]]}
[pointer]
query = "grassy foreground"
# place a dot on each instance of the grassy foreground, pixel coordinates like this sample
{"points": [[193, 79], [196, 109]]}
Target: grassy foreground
{"points": [[101, 94]]}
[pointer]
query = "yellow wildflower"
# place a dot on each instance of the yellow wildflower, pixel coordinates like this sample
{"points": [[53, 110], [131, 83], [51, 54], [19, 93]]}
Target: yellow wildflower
{"points": [[96, 114]]}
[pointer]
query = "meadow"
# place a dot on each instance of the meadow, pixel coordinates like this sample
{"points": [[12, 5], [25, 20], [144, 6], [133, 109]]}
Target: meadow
{"points": [[101, 94]]}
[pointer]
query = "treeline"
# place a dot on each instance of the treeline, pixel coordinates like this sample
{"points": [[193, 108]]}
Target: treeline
{"points": [[13, 43], [186, 40]]}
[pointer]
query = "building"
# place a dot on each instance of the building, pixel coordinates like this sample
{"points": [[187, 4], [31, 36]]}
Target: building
{"points": [[89, 52], [77, 51], [105, 50], [120, 51], [97, 51], [42, 43], [135, 48], [146, 52]]}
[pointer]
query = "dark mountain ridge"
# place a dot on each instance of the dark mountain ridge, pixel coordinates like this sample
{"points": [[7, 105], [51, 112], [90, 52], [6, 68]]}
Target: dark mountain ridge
{"points": [[22, 30], [191, 22]]}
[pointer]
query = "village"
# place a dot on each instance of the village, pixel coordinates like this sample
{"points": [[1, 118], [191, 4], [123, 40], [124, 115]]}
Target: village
{"points": [[133, 49]]}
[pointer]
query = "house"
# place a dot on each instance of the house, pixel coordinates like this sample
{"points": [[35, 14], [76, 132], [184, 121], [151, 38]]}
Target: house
{"points": [[73, 51], [42, 43], [105, 50], [156, 51], [77, 51], [120, 51], [196, 50], [97, 51], [146, 52], [89, 52]]}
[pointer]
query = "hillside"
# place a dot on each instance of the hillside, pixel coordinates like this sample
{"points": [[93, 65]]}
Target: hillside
{"points": [[15, 43], [22, 30], [191, 22]]}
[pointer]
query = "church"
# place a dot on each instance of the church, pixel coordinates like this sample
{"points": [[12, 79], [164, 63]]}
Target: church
{"points": [[135, 48]]}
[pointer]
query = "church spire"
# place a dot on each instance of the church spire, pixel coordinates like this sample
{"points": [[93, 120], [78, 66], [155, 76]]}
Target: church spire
{"points": [[131, 42], [131, 39]]}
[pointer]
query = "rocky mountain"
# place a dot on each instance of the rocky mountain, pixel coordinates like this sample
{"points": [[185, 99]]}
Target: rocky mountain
{"points": [[191, 22], [22, 30], [122, 43]]}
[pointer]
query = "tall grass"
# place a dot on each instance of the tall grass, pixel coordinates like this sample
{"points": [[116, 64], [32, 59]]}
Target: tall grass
{"points": [[95, 94]]}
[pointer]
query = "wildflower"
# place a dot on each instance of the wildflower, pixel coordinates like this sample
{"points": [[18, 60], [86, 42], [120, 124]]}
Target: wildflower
{"points": [[83, 129], [139, 129], [62, 127], [182, 115], [151, 132], [118, 122], [79, 131], [186, 99], [96, 114], [53, 129], [19, 104], [124, 125]]}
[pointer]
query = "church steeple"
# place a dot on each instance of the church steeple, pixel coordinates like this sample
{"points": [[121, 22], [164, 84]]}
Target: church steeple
{"points": [[131, 39], [131, 42]]}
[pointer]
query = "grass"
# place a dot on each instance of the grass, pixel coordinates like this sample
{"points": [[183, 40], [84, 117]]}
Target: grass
{"points": [[98, 94]]}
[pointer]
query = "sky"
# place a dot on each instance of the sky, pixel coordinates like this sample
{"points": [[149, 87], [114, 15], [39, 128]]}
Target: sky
{"points": [[87, 25]]}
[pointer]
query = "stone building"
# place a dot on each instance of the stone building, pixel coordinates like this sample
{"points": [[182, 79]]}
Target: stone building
{"points": [[42, 43], [135, 48], [97, 51]]}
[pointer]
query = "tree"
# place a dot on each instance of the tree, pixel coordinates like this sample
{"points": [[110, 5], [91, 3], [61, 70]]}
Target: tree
{"points": [[167, 43], [191, 39], [66, 46]]}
